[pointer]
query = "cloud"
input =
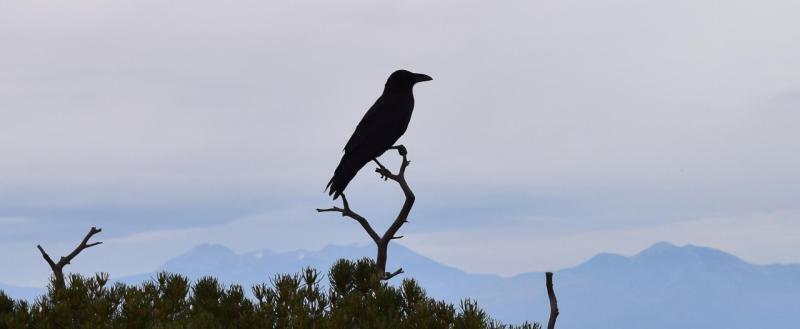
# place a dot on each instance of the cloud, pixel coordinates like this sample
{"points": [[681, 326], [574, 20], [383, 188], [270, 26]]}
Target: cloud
{"points": [[181, 106], [13, 220], [184, 119]]}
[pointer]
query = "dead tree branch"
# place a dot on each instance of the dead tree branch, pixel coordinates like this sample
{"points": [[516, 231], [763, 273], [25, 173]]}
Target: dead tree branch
{"points": [[551, 323], [347, 212], [382, 241], [58, 268]]}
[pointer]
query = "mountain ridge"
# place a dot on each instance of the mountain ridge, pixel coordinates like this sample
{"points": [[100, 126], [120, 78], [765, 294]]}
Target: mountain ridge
{"points": [[663, 286]]}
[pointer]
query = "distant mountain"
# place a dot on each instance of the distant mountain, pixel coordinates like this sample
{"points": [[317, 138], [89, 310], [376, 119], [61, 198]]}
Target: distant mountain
{"points": [[664, 286], [261, 266]]}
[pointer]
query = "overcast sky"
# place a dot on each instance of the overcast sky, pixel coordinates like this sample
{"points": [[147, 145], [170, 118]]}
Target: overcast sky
{"points": [[553, 130]]}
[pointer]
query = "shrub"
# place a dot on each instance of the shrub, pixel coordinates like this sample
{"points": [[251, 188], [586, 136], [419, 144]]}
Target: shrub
{"points": [[354, 297]]}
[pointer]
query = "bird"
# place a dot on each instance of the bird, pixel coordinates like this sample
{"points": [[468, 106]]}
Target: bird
{"points": [[379, 129]]}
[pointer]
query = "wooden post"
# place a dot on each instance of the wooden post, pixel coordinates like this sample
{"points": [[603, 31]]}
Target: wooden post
{"points": [[551, 323]]}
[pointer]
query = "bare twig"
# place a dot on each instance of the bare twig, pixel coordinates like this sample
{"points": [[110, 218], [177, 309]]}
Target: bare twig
{"points": [[387, 275], [382, 242], [551, 323], [58, 268], [347, 212]]}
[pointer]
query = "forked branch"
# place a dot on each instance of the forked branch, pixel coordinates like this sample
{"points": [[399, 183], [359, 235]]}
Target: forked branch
{"points": [[382, 241], [347, 212], [58, 267]]}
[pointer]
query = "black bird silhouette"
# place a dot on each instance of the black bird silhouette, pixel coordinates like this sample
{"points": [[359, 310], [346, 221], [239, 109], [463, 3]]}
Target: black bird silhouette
{"points": [[379, 129]]}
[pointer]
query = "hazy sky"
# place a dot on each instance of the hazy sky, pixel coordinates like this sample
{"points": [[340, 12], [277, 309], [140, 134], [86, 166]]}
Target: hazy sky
{"points": [[553, 130]]}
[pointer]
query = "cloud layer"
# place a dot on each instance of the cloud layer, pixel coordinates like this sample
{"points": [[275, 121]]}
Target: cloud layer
{"points": [[150, 119]]}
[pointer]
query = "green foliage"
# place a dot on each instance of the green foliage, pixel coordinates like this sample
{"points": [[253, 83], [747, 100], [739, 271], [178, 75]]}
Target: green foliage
{"points": [[354, 298]]}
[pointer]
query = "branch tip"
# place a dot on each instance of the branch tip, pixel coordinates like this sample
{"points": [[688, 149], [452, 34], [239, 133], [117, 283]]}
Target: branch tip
{"points": [[387, 275]]}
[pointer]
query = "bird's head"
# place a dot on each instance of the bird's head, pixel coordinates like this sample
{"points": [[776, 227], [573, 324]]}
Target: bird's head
{"points": [[405, 79]]}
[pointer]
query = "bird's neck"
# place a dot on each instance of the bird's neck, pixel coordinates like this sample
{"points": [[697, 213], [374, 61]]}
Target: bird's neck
{"points": [[397, 90]]}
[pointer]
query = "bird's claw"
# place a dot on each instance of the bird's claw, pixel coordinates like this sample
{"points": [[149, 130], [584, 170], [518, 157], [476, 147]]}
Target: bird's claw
{"points": [[383, 172], [401, 149]]}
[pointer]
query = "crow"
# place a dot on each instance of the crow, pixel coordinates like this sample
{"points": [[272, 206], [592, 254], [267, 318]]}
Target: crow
{"points": [[379, 129]]}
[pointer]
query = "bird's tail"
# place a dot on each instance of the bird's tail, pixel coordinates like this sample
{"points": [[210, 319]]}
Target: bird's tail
{"points": [[347, 169]]}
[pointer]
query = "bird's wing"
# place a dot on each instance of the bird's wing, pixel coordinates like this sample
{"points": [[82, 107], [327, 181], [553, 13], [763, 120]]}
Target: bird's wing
{"points": [[368, 126]]}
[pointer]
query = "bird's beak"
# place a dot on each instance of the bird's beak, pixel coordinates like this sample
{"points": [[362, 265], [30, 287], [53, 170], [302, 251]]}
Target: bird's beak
{"points": [[419, 77]]}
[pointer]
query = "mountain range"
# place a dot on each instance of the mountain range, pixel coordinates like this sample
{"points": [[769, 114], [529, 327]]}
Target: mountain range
{"points": [[664, 286]]}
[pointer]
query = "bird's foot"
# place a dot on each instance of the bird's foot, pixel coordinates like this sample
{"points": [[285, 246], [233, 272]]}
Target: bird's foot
{"points": [[381, 169], [385, 173], [401, 149]]}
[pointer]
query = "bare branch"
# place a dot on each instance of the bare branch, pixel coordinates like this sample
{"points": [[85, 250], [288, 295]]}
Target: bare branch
{"points": [[382, 242], [551, 323], [403, 166], [346, 211], [46, 257], [84, 244], [336, 209], [406, 209], [58, 268], [387, 275]]}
